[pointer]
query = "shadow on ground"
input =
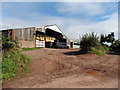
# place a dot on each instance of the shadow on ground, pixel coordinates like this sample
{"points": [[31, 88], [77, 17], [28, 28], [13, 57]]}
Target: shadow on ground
{"points": [[113, 53], [74, 53]]}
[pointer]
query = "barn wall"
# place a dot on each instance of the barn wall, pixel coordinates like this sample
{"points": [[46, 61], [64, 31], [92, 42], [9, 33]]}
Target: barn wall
{"points": [[25, 37], [26, 44]]}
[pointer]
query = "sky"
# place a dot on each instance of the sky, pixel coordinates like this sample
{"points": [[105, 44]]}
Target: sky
{"points": [[73, 18]]}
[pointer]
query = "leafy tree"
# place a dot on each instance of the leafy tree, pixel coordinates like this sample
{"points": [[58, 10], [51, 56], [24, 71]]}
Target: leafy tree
{"points": [[88, 41], [102, 39], [109, 38]]}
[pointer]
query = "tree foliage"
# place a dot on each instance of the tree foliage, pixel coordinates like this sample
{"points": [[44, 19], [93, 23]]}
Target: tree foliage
{"points": [[88, 41], [92, 43], [116, 46], [110, 38]]}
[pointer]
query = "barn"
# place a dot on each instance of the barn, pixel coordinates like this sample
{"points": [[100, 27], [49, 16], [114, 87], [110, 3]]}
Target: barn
{"points": [[49, 36]]}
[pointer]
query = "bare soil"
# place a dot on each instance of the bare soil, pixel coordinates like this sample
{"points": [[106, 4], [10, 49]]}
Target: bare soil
{"points": [[51, 68]]}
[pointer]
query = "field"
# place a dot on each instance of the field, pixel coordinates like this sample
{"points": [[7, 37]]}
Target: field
{"points": [[53, 68]]}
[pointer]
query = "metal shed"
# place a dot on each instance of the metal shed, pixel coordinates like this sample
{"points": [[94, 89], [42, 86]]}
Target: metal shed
{"points": [[37, 36]]}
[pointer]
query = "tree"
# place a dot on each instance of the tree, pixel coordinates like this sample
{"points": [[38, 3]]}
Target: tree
{"points": [[102, 39], [88, 41], [109, 38], [116, 46]]}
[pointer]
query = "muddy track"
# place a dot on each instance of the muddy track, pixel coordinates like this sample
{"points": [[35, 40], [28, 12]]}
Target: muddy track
{"points": [[51, 68]]}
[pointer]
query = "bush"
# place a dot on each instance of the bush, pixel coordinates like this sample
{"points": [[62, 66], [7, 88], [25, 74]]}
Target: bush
{"points": [[96, 51], [9, 45], [88, 41], [101, 50], [116, 46], [106, 47]]}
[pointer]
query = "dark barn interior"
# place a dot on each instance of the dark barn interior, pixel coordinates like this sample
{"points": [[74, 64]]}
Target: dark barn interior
{"points": [[57, 35]]}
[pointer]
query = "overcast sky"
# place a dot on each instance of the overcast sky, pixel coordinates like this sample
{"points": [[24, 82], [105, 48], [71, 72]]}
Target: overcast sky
{"points": [[74, 18]]}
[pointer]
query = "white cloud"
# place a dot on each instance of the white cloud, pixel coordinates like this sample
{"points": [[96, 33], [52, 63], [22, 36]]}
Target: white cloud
{"points": [[105, 27], [80, 8], [85, 8], [70, 26]]}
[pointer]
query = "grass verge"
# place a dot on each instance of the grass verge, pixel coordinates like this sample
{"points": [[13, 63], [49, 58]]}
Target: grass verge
{"points": [[28, 49], [14, 63]]}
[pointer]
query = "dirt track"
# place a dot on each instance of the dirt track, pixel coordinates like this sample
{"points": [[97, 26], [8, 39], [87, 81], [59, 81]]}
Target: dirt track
{"points": [[53, 69]]}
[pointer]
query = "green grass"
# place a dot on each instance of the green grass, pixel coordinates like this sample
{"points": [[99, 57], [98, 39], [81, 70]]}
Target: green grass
{"points": [[28, 49], [96, 52], [99, 51], [14, 62]]}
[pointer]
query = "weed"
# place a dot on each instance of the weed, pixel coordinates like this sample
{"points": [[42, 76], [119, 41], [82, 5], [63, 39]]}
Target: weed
{"points": [[14, 62], [97, 51]]}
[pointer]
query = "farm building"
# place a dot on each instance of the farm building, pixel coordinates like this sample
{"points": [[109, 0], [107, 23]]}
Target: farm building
{"points": [[45, 36]]}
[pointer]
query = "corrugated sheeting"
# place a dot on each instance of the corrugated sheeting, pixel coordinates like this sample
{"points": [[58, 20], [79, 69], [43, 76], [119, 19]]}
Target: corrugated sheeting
{"points": [[26, 34]]}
